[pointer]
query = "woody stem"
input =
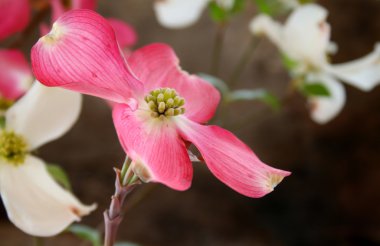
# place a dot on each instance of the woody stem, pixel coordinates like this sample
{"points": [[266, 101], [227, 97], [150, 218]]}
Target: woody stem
{"points": [[125, 183]]}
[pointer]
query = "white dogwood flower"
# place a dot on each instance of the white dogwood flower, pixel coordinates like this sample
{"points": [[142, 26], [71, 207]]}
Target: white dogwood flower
{"points": [[34, 202], [305, 39], [183, 13]]}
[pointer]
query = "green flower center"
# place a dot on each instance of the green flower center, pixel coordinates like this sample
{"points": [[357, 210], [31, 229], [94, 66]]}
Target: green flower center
{"points": [[165, 102], [5, 104], [13, 147]]}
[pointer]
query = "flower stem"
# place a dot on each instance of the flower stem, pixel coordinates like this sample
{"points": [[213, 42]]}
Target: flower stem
{"points": [[38, 241], [126, 181], [217, 50], [244, 60]]}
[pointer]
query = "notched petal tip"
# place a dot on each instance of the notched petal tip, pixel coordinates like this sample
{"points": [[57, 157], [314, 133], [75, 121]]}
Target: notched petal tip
{"points": [[55, 34], [82, 210], [275, 179]]}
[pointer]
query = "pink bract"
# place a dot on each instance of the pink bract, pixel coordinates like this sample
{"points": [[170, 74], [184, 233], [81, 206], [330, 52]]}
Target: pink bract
{"points": [[15, 74], [15, 16], [81, 53]]}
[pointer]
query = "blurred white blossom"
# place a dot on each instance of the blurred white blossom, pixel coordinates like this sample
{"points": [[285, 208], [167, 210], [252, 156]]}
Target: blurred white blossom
{"points": [[304, 39], [34, 201], [183, 13]]}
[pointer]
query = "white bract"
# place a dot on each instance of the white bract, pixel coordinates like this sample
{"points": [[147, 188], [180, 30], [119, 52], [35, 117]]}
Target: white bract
{"points": [[183, 13], [34, 202], [305, 39]]}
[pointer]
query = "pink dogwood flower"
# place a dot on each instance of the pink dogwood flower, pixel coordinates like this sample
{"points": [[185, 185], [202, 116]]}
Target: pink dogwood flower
{"points": [[15, 15], [15, 77], [159, 108]]}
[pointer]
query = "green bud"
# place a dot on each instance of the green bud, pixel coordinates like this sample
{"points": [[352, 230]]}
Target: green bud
{"points": [[169, 112], [170, 103], [164, 102], [160, 98], [152, 105], [13, 148], [177, 99], [154, 114], [181, 102], [161, 107], [167, 94]]}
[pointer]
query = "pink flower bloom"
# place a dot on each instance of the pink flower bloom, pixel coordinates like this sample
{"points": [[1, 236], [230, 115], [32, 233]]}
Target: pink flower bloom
{"points": [[154, 124], [15, 16], [15, 74]]}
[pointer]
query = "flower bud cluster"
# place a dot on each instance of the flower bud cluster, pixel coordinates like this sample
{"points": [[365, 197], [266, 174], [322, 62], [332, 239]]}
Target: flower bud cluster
{"points": [[13, 148], [165, 102]]}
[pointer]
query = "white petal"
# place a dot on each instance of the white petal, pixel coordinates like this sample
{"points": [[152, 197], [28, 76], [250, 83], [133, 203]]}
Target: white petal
{"points": [[307, 34], [363, 73], [178, 13], [265, 25], [35, 203], [44, 114], [324, 109], [226, 4], [290, 4]]}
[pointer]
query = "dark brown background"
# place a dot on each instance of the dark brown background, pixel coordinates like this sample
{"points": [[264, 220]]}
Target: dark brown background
{"points": [[333, 196]]}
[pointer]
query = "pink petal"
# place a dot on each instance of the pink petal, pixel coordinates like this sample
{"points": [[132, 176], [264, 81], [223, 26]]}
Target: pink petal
{"points": [[83, 4], [81, 53], [158, 152], [15, 74], [15, 16], [125, 34], [158, 66], [231, 161]]}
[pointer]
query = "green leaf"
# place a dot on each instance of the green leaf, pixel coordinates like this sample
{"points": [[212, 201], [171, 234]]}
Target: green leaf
{"points": [[237, 6], [217, 13], [273, 7], [256, 94], [86, 233], [289, 63], [2, 121], [59, 175], [315, 89], [264, 7], [305, 1], [271, 100], [217, 82]]}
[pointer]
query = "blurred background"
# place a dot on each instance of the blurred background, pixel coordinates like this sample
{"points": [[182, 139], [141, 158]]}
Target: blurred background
{"points": [[333, 195]]}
